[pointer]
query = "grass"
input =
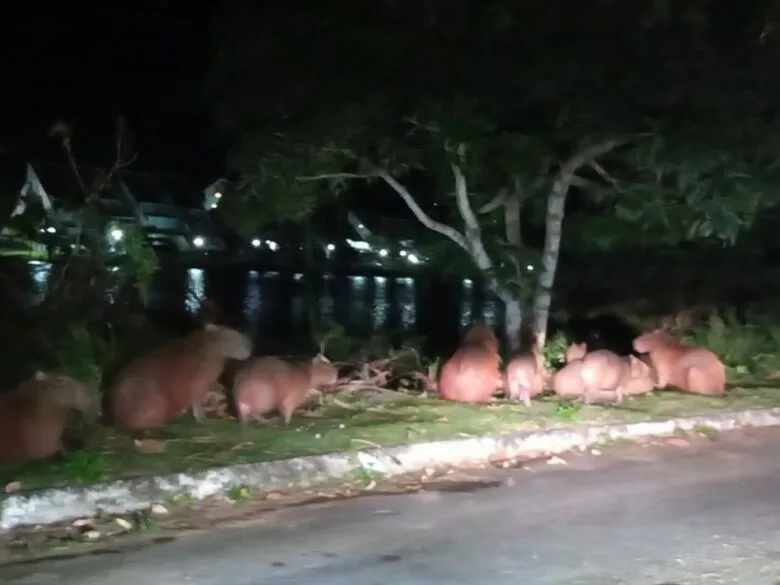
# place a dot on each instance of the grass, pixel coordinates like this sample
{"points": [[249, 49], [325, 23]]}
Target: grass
{"points": [[347, 424]]}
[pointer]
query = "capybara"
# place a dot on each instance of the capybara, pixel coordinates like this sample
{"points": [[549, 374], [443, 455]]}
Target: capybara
{"points": [[691, 369], [603, 375], [34, 416], [526, 377], [472, 374], [266, 384], [576, 351], [154, 388]]}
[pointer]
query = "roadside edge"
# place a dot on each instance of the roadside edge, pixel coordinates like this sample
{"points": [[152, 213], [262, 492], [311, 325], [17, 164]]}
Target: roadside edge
{"points": [[51, 505]]}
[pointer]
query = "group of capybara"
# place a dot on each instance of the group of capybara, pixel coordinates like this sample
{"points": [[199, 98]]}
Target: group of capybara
{"points": [[474, 374], [162, 383], [154, 388]]}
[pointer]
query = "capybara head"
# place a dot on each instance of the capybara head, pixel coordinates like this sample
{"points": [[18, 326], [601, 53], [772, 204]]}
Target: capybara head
{"points": [[323, 373], [482, 334], [650, 339], [641, 369], [228, 343], [576, 351], [61, 391]]}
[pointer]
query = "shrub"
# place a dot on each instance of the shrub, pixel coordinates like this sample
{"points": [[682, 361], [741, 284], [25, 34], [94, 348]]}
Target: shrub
{"points": [[748, 347]]}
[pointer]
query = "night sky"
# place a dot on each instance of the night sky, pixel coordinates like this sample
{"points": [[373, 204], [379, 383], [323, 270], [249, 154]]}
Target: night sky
{"points": [[86, 67]]}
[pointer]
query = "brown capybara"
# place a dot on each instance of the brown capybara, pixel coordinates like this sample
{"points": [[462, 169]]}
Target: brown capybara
{"points": [[472, 374], [603, 375], [154, 388], [268, 384], [691, 369], [576, 351], [34, 416], [526, 377]]}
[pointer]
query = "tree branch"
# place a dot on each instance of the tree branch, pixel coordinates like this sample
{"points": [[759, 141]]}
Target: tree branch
{"points": [[325, 176], [586, 155], [497, 202], [462, 198], [422, 217]]}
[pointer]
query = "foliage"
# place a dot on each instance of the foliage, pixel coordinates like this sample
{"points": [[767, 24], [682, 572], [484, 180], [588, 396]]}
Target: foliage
{"points": [[746, 346], [555, 351], [396, 94], [92, 283]]}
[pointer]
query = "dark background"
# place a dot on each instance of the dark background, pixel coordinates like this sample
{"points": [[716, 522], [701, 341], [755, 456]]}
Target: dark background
{"points": [[86, 66]]}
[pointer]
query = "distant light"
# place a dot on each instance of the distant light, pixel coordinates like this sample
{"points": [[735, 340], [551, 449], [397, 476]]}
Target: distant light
{"points": [[361, 226], [116, 234], [218, 195], [359, 245], [530, 267], [330, 247], [273, 245], [256, 243], [213, 206], [403, 253], [383, 252], [198, 241], [51, 229], [413, 259]]}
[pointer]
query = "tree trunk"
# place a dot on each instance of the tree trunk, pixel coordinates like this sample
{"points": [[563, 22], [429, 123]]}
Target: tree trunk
{"points": [[470, 241], [556, 203], [513, 322]]}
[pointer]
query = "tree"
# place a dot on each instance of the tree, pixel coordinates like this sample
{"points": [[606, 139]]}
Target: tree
{"points": [[395, 91]]}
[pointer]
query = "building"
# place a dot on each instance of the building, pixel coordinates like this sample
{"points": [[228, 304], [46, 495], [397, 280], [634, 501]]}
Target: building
{"points": [[156, 203]]}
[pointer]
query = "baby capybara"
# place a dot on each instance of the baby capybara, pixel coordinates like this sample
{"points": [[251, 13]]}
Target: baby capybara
{"points": [[267, 384]]}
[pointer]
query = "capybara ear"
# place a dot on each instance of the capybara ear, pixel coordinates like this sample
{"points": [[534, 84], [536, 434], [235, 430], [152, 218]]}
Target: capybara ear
{"points": [[211, 327], [39, 376]]}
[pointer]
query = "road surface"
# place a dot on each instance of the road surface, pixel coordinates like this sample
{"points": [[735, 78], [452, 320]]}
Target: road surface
{"points": [[681, 513]]}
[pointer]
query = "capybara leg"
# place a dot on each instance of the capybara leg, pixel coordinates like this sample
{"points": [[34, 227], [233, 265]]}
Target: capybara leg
{"points": [[198, 414], [699, 382], [286, 411], [524, 396]]}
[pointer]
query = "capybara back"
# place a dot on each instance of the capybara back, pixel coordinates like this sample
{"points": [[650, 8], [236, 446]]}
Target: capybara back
{"points": [[472, 373], [163, 383], [33, 417]]}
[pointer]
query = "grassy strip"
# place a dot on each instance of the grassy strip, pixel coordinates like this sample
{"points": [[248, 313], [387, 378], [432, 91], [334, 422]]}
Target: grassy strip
{"points": [[351, 424]]}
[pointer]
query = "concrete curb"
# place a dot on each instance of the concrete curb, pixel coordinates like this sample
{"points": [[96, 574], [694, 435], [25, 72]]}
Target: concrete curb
{"points": [[52, 505]]}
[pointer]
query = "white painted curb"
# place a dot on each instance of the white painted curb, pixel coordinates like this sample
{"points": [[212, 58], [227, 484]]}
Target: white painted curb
{"points": [[52, 505]]}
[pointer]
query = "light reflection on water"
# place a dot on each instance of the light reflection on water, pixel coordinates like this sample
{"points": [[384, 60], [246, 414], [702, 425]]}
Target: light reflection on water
{"points": [[269, 299], [379, 304], [466, 302], [253, 299], [40, 272], [196, 289]]}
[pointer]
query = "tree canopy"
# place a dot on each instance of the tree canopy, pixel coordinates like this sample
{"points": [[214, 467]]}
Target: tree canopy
{"points": [[659, 114]]}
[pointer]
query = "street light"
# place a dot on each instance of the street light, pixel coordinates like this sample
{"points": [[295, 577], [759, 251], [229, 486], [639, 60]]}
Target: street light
{"points": [[256, 243], [116, 234], [198, 241]]}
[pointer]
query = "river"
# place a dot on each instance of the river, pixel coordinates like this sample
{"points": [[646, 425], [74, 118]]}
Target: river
{"points": [[275, 305]]}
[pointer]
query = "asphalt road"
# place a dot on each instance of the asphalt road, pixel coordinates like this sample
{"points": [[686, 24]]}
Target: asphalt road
{"points": [[707, 513]]}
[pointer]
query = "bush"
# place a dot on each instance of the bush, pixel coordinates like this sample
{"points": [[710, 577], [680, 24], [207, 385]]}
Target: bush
{"points": [[749, 347]]}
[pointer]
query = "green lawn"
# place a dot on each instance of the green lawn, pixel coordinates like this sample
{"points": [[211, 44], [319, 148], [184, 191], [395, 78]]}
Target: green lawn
{"points": [[345, 423]]}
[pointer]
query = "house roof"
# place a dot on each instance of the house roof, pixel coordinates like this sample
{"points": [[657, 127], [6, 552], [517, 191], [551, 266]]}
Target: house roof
{"points": [[156, 188]]}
